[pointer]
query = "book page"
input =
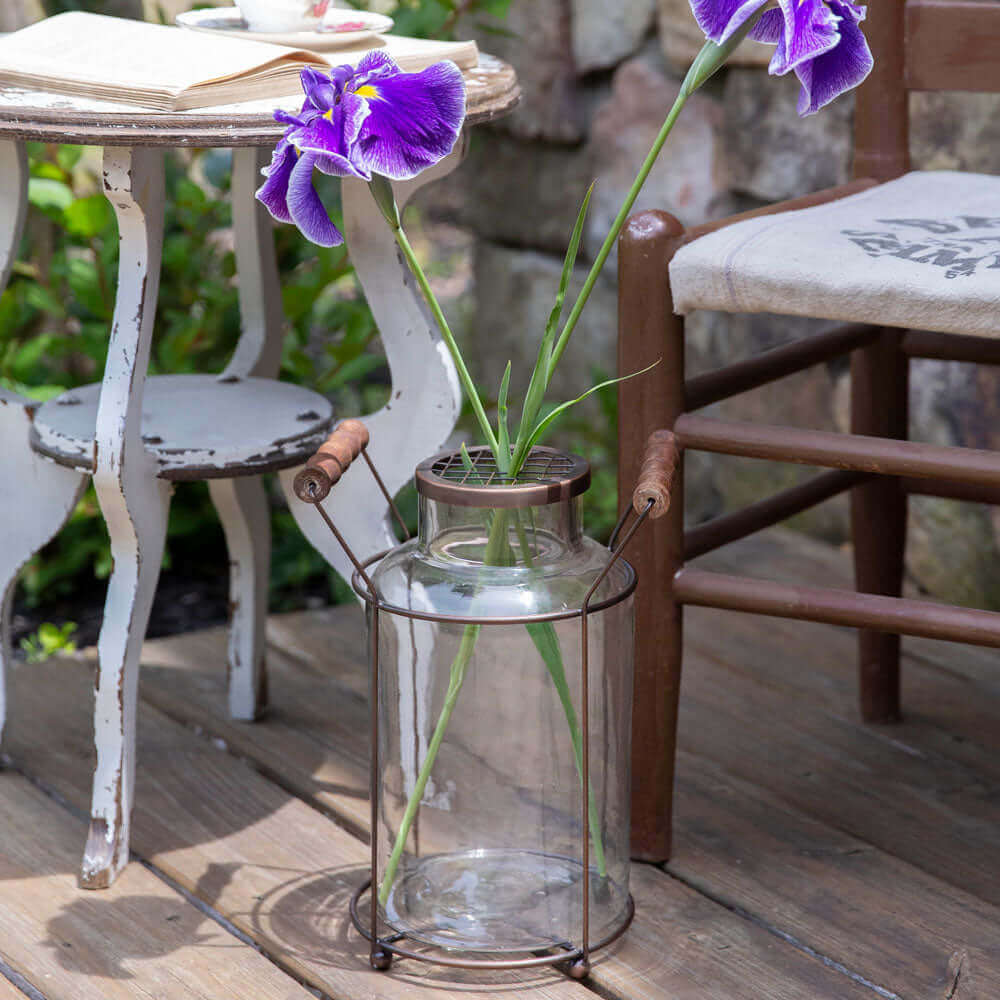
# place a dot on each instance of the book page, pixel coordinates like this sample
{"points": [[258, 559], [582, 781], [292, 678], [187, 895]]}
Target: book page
{"points": [[120, 55]]}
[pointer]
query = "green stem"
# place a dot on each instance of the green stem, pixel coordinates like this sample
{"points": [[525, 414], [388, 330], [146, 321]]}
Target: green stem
{"points": [[456, 355], [707, 62]]}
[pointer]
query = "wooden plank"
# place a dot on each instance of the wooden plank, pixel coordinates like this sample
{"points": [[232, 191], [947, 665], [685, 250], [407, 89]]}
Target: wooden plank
{"points": [[282, 873], [922, 806], [952, 45], [835, 894], [138, 939], [276, 868], [933, 811]]}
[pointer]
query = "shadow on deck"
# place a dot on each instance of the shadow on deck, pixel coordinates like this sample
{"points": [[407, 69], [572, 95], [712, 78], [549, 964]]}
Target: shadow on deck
{"points": [[814, 857]]}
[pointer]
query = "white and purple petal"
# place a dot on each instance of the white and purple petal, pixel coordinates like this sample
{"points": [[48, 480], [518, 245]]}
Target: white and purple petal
{"points": [[840, 69], [810, 31], [414, 119], [273, 193], [306, 209], [720, 18]]}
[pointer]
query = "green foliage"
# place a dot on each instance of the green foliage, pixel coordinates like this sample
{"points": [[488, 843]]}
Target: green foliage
{"points": [[49, 640], [57, 309], [439, 18]]}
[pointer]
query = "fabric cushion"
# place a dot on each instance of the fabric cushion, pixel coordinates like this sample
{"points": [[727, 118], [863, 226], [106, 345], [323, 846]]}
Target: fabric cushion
{"points": [[922, 251]]}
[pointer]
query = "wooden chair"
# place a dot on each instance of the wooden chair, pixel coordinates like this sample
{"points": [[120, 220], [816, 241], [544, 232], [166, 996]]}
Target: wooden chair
{"points": [[848, 254]]}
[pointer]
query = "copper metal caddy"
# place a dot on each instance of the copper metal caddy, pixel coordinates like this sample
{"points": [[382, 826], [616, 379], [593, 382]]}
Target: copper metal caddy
{"points": [[510, 904]]}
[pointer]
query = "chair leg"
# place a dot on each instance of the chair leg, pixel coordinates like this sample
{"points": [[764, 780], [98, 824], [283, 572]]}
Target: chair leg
{"points": [[243, 509], [879, 407], [649, 330]]}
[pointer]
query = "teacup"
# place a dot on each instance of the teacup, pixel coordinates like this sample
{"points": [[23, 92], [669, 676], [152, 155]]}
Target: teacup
{"points": [[283, 15]]}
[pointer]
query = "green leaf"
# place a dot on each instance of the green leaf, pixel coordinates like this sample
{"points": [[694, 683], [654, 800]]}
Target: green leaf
{"points": [[542, 372], [68, 157], [543, 425], [49, 194], [567, 274], [503, 434], [88, 217]]}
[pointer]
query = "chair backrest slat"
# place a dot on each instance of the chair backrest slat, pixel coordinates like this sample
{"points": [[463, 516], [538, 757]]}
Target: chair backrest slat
{"points": [[953, 45], [919, 45]]}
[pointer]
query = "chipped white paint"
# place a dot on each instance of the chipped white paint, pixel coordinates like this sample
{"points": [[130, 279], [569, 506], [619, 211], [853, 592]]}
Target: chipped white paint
{"points": [[134, 503], [36, 497], [246, 519], [242, 504], [259, 349], [182, 443]]}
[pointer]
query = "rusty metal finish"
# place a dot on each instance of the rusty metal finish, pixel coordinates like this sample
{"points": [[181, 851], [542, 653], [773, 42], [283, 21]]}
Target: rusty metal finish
{"points": [[567, 956], [446, 476], [649, 330], [764, 513], [547, 476], [880, 407], [776, 363], [832, 606], [656, 477]]}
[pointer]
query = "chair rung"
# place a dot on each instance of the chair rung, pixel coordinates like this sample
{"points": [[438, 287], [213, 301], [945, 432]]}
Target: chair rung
{"points": [[731, 527], [768, 366], [833, 606], [951, 347], [885, 456]]}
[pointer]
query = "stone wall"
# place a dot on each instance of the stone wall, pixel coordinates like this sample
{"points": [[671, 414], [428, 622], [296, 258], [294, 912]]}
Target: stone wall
{"points": [[598, 79]]}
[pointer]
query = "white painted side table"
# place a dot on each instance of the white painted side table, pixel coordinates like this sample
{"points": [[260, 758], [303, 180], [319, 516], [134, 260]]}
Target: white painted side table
{"points": [[135, 436]]}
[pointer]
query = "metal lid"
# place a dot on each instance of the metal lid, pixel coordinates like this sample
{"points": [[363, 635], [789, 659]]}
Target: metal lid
{"points": [[547, 476]]}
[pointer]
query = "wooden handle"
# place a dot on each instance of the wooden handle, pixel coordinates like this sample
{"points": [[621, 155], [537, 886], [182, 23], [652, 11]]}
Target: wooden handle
{"points": [[333, 458], [656, 477]]}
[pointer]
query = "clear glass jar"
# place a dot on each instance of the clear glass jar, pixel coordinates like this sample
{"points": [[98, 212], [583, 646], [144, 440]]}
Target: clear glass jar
{"points": [[480, 826]]}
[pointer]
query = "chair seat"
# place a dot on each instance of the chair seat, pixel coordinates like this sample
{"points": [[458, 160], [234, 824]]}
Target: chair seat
{"points": [[196, 426], [921, 251]]}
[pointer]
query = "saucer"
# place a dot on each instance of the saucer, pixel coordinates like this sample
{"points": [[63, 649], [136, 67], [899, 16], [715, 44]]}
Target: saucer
{"points": [[340, 28]]}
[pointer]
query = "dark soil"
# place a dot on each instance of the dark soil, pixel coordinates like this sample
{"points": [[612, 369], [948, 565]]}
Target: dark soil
{"points": [[182, 603]]}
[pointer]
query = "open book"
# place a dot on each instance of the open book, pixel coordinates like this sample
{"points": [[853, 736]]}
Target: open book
{"points": [[171, 69]]}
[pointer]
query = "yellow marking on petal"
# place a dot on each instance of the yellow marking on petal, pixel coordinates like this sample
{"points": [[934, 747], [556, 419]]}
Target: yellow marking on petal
{"points": [[367, 90], [328, 114]]}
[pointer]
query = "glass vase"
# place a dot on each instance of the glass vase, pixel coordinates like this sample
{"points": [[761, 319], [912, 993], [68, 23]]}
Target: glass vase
{"points": [[484, 840]]}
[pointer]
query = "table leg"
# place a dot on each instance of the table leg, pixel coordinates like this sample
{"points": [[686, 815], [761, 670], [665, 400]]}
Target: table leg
{"points": [[134, 503], [36, 496], [245, 514], [426, 397], [242, 503]]}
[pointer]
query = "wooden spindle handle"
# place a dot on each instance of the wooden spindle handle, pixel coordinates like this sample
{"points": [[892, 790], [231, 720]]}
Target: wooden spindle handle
{"points": [[348, 439], [656, 477]]}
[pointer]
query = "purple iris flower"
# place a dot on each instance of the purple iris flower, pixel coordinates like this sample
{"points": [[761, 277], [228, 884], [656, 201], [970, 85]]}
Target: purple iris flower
{"points": [[355, 122], [819, 39]]}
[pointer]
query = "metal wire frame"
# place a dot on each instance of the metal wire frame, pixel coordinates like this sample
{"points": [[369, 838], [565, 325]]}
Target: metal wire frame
{"points": [[575, 959]]}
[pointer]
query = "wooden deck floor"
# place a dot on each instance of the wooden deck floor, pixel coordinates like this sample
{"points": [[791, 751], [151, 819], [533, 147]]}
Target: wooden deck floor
{"points": [[815, 858]]}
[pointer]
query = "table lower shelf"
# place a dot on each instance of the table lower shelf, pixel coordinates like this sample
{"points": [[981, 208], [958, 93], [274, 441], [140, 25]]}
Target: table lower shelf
{"points": [[196, 426]]}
